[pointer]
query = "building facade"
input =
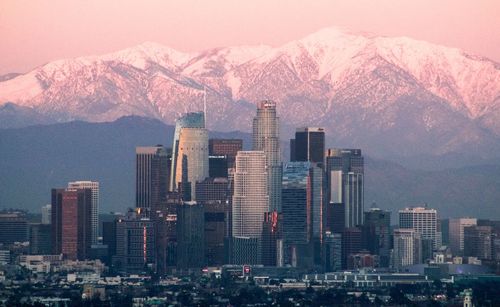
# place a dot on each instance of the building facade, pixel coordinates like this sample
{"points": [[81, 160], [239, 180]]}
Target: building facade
{"points": [[456, 233], [94, 187], [225, 147], [407, 248], [309, 145]]}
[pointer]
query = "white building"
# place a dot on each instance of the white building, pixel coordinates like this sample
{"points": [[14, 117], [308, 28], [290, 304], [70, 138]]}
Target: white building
{"points": [[407, 248], [422, 220], [47, 214], [265, 137], [94, 187]]}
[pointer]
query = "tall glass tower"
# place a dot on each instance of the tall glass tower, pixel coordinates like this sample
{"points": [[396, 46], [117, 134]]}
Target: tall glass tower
{"points": [[188, 120], [265, 138]]}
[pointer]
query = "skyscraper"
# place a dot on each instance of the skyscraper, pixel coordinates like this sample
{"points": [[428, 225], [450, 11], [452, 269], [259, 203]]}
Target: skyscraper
{"points": [[265, 137], [188, 120], [13, 227], [407, 248], [478, 242], [152, 176], [456, 233], [344, 177], [193, 146], [40, 239], [302, 210], [94, 187], [225, 147], [376, 232], [423, 221], [309, 145], [72, 222], [250, 202], [46, 214], [190, 235]]}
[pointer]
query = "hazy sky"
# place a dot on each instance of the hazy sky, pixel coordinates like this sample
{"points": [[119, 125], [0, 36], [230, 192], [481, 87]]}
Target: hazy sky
{"points": [[35, 32]]}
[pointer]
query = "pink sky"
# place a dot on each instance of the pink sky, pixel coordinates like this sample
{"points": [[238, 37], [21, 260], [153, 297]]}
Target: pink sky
{"points": [[35, 32]]}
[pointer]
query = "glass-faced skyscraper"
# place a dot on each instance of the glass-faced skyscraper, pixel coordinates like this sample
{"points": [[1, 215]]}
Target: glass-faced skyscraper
{"points": [[188, 120], [308, 145], [344, 174], [94, 187], [265, 137]]}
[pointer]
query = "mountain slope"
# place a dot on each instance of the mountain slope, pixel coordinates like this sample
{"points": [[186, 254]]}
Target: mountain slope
{"points": [[397, 96], [35, 159]]}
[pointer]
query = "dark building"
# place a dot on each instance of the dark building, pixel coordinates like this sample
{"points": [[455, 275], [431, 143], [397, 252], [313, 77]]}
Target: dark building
{"points": [[271, 233], [225, 147], [212, 189], [244, 250], [344, 179], [478, 242], [135, 244], [109, 238], [190, 236], [40, 239], [332, 252], [13, 227], [72, 223], [152, 176], [376, 234], [308, 145], [217, 166], [335, 217], [351, 243]]}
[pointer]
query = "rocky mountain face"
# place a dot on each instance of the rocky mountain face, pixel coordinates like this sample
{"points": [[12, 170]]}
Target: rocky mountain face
{"points": [[393, 97]]}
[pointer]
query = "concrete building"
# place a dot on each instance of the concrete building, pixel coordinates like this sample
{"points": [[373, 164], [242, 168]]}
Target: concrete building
{"points": [[265, 137], [13, 227], [407, 248], [424, 221], [46, 214], [94, 187], [456, 234]]}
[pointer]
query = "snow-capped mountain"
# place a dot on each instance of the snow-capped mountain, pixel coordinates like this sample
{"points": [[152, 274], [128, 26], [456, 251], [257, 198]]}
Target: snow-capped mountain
{"points": [[392, 95]]}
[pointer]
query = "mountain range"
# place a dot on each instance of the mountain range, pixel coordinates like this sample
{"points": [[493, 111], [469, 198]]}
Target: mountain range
{"points": [[35, 159], [395, 97]]}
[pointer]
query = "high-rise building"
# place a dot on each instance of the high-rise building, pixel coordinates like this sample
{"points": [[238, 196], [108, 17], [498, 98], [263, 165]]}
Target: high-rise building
{"points": [[344, 179], [135, 243], [271, 236], [309, 145], [424, 221], [456, 233], [302, 210], [332, 252], [46, 214], [40, 239], [109, 238], [265, 137], [352, 243], [13, 227], [192, 157], [94, 187], [407, 248], [225, 147], [188, 120], [478, 242], [217, 166], [250, 202], [72, 222], [190, 235], [152, 175], [377, 236]]}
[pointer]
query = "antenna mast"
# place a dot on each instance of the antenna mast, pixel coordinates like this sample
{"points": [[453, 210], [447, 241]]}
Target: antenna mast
{"points": [[205, 105]]}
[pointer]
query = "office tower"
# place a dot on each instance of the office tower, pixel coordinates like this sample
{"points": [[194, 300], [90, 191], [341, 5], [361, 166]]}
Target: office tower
{"points": [[344, 178], [407, 248], [192, 157], [217, 166], [94, 187], [478, 242], [225, 147], [72, 222], [302, 210], [152, 177], [40, 239], [424, 221], [250, 203], [213, 194], [46, 214], [444, 225], [377, 236], [309, 145], [332, 251], [135, 243], [13, 227], [271, 236], [265, 137], [190, 235], [109, 238], [456, 233], [352, 239], [188, 120]]}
